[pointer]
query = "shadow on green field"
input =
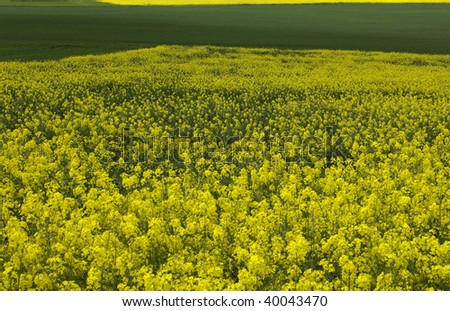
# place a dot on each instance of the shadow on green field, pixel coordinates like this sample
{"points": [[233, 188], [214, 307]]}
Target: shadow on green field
{"points": [[51, 3], [53, 32]]}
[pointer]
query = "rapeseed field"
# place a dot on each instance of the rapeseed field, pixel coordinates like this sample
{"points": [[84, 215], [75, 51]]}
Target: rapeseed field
{"points": [[221, 2], [207, 168]]}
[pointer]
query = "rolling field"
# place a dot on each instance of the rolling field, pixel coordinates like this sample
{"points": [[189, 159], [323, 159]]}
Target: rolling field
{"points": [[243, 169], [197, 2], [235, 147], [37, 33]]}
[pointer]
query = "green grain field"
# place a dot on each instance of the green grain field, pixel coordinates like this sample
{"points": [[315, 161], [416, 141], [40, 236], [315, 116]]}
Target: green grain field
{"points": [[54, 30]]}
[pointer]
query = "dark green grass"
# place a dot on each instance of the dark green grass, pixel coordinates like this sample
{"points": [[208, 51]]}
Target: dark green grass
{"points": [[36, 33], [47, 3]]}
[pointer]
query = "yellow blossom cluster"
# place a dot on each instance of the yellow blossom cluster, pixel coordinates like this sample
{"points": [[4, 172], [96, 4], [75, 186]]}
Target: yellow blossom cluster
{"points": [[208, 168]]}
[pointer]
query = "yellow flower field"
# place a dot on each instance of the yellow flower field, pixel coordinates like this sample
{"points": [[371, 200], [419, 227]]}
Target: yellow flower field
{"points": [[207, 168], [216, 2]]}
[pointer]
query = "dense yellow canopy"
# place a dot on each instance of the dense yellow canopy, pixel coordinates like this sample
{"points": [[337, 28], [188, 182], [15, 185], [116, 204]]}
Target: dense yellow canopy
{"points": [[208, 2]]}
